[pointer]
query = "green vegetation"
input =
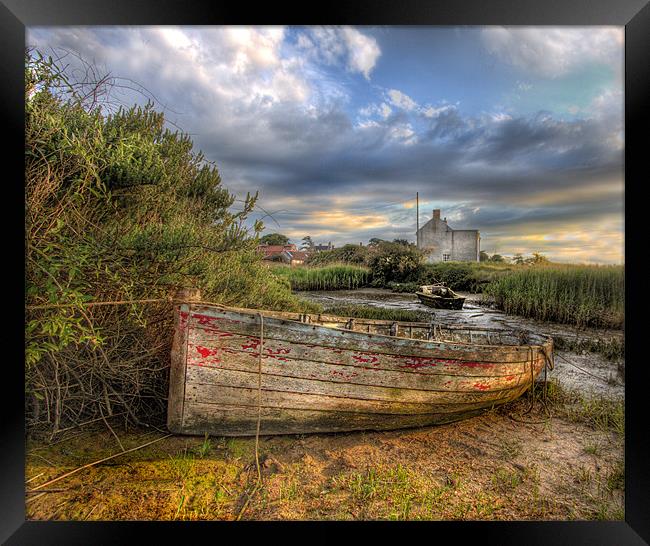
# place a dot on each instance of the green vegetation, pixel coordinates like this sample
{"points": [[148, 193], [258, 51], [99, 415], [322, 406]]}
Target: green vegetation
{"points": [[394, 262], [611, 349], [463, 276], [347, 254], [379, 313], [600, 413], [403, 287], [119, 208], [274, 239], [333, 277], [582, 295], [576, 294]]}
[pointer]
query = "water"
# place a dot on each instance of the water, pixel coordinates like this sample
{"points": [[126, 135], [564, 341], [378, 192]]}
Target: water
{"points": [[591, 373]]}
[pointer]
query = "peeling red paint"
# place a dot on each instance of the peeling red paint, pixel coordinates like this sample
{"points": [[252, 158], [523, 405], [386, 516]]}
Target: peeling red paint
{"points": [[483, 365], [344, 375], [416, 362], [279, 351], [366, 360], [205, 352], [182, 323], [254, 344]]}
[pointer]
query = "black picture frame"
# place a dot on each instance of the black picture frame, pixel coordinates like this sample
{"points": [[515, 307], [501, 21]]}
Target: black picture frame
{"points": [[15, 15]]}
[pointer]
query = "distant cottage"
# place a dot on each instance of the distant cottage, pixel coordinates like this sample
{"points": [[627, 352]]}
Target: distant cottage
{"points": [[323, 248], [441, 243], [287, 254]]}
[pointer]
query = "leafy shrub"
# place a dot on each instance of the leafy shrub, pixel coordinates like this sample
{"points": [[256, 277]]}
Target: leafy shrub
{"points": [[394, 262], [119, 208]]}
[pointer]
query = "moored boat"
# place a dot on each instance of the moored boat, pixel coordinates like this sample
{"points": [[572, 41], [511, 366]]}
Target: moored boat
{"points": [[439, 296], [303, 373]]}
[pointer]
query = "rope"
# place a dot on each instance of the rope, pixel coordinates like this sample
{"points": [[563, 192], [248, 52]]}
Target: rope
{"points": [[94, 303], [532, 380], [97, 462], [584, 371], [259, 420], [532, 388]]}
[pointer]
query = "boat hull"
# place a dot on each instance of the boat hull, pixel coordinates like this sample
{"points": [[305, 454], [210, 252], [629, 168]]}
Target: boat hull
{"points": [[231, 367], [438, 302]]}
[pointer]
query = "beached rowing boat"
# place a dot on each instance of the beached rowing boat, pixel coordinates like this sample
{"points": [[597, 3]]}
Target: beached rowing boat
{"points": [[439, 296], [302, 373]]}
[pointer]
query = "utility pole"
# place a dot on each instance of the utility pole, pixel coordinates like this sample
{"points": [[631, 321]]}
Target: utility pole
{"points": [[417, 219]]}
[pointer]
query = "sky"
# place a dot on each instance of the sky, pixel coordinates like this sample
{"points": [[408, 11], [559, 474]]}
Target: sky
{"points": [[515, 131]]}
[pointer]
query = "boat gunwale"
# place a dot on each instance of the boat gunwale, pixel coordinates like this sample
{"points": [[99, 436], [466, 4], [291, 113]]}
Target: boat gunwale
{"points": [[269, 313]]}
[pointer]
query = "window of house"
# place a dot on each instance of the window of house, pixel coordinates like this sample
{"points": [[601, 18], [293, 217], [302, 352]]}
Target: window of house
{"points": [[445, 257]]}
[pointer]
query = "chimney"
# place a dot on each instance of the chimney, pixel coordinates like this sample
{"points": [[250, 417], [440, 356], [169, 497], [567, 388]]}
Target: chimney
{"points": [[436, 214]]}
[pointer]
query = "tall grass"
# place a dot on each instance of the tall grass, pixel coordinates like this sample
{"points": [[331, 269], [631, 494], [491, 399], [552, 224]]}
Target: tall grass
{"points": [[334, 277], [577, 294]]}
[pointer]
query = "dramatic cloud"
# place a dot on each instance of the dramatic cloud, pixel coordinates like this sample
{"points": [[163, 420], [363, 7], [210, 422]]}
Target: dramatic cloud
{"points": [[342, 44], [401, 100], [553, 52], [315, 119]]}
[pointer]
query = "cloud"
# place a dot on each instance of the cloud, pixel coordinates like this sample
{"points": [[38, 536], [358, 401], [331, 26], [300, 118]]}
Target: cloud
{"points": [[553, 52], [401, 100], [347, 45], [363, 51], [433, 112], [261, 102]]}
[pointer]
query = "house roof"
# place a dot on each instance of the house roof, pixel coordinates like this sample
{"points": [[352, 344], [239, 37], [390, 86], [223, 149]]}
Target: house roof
{"points": [[298, 255], [273, 250]]}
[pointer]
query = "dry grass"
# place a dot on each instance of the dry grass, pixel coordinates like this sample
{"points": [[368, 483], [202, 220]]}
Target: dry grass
{"points": [[488, 468]]}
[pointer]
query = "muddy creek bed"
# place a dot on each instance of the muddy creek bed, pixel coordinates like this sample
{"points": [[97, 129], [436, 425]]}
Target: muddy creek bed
{"points": [[302, 373]]}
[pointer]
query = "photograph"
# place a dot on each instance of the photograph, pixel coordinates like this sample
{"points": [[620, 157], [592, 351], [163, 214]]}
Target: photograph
{"points": [[325, 272]]}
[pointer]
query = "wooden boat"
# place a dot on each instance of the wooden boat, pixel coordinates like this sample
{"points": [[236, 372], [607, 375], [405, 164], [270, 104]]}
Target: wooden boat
{"points": [[440, 297], [321, 373]]}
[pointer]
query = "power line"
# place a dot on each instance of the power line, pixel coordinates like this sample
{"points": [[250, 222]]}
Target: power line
{"points": [[343, 210]]}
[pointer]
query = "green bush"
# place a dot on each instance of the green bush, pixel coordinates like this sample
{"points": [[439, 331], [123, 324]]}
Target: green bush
{"points": [[119, 208], [347, 254], [394, 262]]}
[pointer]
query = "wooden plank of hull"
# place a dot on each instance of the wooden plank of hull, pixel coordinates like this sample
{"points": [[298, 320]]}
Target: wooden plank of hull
{"points": [[327, 376], [329, 337], [390, 395], [313, 381], [228, 395], [222, 420], [178, 370], [217, 346]]}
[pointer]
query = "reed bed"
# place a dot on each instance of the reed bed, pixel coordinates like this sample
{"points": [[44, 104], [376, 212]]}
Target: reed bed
{"points": [[334, 277], [577, 294]]}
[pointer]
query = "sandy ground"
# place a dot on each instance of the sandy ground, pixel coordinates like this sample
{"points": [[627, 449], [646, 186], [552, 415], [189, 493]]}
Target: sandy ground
{"points": [[562, 460], [491, 467]]}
